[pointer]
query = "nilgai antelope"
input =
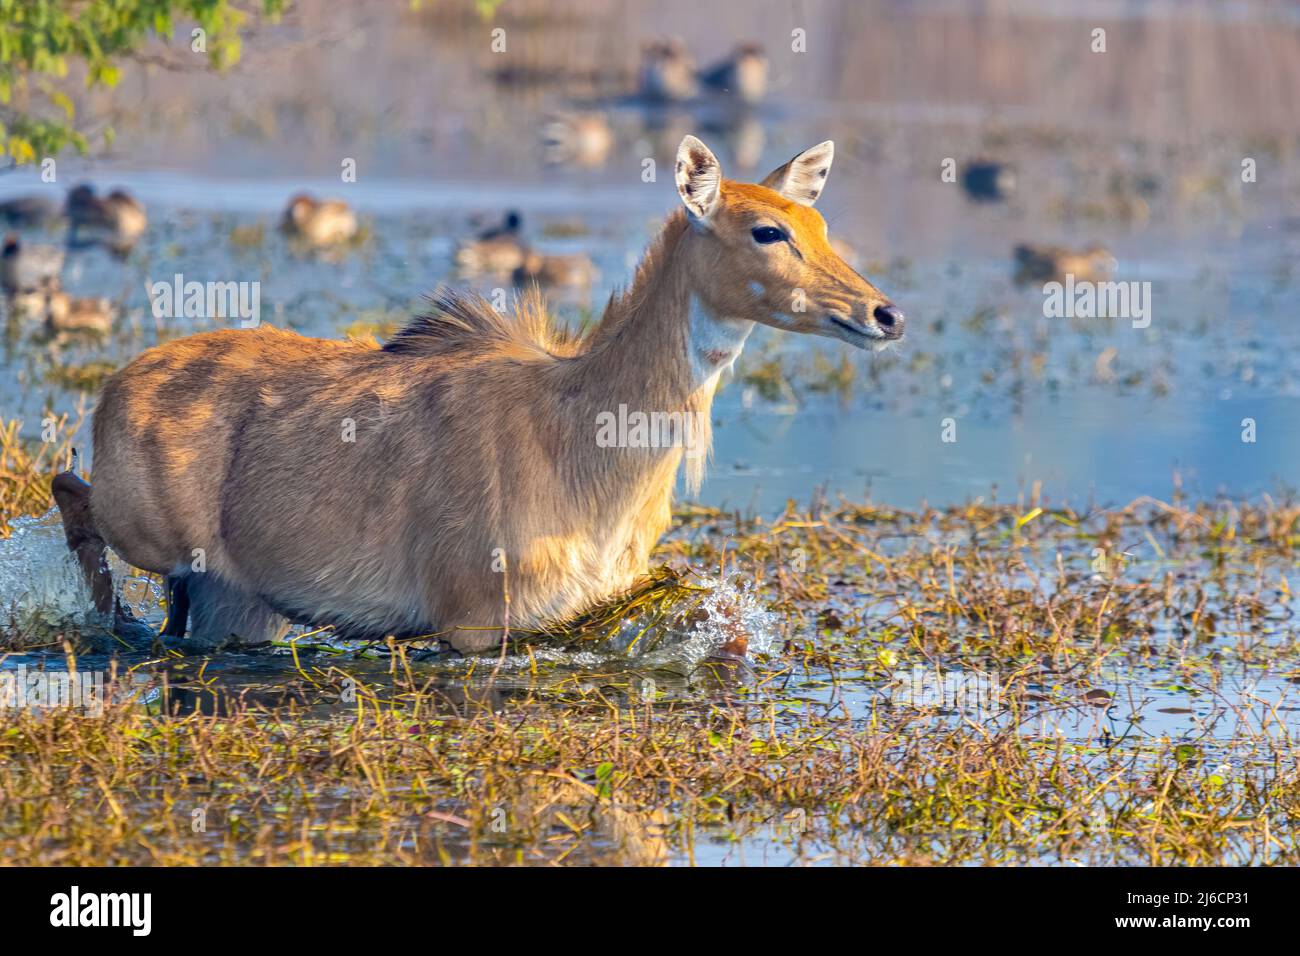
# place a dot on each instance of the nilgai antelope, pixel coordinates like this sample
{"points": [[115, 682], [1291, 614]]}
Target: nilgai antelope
{"points": [[453, 481]]}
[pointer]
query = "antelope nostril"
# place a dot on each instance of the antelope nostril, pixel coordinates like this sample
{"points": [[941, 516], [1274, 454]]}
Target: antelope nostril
{"points": [[889, 316]]}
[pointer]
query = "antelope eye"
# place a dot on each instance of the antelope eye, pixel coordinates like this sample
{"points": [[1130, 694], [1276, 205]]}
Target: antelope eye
{"points": [[765, 235]]}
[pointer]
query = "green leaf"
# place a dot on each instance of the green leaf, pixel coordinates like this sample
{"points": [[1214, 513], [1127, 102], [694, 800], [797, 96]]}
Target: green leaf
{"points": [[1026, 518]]}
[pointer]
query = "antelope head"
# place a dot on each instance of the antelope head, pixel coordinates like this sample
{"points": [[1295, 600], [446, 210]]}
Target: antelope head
{"points": [[760, 252]]}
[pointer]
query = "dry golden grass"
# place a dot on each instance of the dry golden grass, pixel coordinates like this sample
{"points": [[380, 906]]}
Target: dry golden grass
{"points": [[330, 754], [26, 469]]}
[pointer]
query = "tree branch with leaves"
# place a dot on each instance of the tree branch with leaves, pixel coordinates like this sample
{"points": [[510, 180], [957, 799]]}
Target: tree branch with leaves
{"points": [[40, 40]]}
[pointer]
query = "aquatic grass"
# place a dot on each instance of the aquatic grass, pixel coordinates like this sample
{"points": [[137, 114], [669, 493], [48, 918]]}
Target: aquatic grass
{"points": [[666, 598], [27, 467], [592, 774], [1140, 665]]}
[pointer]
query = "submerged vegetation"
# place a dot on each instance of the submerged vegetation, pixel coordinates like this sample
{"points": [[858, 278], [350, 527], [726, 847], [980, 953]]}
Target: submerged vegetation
{"points": [[993, 682]]}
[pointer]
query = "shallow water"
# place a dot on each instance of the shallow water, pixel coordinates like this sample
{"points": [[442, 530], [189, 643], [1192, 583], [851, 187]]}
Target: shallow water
{"points": [[1084, 410], [1094, 409]]}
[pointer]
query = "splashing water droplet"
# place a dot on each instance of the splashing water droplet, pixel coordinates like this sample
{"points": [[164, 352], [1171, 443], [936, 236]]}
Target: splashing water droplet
{"points": [[729, 611], [41, 587]]}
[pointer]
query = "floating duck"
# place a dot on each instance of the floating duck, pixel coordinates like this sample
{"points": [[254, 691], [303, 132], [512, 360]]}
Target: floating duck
{"points": [[25, 268], [65, 315], [496, 251], [667, 70], [319, 223], [742, 75], [574, 269], [30, 304], [27, 211], [579, 139], [118, 220], [747, 139], [1037, 263], [988, 181]]}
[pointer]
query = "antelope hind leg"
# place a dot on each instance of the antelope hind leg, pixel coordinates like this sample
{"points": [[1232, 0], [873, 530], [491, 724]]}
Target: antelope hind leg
{"points": [[72, 495], [222, 615]]}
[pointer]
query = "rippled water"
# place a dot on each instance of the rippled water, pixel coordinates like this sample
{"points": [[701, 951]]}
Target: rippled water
{"points": [[1087, 410], [1091, 408], [45, 597]]}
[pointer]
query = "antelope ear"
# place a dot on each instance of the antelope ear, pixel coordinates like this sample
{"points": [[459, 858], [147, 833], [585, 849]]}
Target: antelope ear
{"points": [[699, 178], [803, 178]]}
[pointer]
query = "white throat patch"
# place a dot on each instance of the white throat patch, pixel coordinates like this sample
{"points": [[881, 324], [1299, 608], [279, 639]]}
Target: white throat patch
{"points": [[713, 342]]}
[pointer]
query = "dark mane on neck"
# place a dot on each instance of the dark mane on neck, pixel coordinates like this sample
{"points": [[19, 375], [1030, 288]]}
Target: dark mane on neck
{"points": [[459, 321], [462, 322]]}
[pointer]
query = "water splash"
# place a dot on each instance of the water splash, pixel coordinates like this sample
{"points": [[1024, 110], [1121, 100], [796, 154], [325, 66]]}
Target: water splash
{"points": [[42, 591], [730, 610]]}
